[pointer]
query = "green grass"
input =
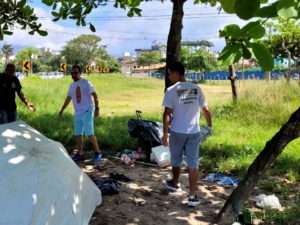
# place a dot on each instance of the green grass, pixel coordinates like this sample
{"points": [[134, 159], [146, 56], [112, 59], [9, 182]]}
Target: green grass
{"points": [[240, 131], [119, 98]]}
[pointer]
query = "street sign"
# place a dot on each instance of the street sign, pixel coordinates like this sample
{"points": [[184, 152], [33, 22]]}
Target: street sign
{"points": [[63, 67], [88, 69], [102, 69], [26, 65], [105, 70]]}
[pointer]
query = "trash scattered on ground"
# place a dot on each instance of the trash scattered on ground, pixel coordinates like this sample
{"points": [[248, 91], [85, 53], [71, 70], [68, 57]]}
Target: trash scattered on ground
{"points": [[161, 155], [88, 169], [222, 180], [119, 176], [267, 201], [108, 186], [139, 201], [130, 156], [125, 159]]}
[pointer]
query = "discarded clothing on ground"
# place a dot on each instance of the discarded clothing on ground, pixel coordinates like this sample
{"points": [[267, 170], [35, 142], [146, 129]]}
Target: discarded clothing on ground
{"points": [[119, 176], [222, 180], [108, 186]]}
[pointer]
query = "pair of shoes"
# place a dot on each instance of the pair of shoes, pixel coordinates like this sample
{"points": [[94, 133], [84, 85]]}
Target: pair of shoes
{"points": [[119, 176], [172, 186], [193, 201], [78, 157], [97, 157]]}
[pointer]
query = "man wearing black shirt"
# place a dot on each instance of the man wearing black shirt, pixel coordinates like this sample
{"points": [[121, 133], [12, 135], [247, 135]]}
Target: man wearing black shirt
{"points": [[9, 85]]}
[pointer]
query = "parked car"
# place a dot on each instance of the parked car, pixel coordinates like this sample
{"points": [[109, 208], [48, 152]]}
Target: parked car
{"points": [[19, 75], [49, 75]]}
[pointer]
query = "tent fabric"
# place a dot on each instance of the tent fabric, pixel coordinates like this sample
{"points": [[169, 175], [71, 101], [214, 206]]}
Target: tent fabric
{"points": [[39, 182]]}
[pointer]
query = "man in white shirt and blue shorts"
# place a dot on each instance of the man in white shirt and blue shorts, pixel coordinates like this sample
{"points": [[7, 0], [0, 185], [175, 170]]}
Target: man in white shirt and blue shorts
{"points": [[182, 102], [81, 92]]}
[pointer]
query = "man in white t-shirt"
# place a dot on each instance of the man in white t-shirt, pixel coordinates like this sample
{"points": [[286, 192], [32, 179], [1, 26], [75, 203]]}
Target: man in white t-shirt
{"points": [[81, 92], [182, 102]]}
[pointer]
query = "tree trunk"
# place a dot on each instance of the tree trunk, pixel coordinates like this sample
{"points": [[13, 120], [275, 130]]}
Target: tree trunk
{"points": [[268, 75], [273, 148], [288, 73], [298, 70], [174, 37], [243, 69], [232, 77]]}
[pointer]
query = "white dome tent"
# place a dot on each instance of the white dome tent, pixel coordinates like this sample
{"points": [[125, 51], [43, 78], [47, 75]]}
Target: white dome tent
{"points": [[39, 183]]}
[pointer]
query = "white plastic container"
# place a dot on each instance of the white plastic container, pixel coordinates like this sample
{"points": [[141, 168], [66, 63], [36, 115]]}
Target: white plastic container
{"points": [[161, 155]]}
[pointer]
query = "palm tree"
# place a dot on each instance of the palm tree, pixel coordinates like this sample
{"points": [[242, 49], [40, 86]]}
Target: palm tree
{"points": [[7, 51], [31, 52]]}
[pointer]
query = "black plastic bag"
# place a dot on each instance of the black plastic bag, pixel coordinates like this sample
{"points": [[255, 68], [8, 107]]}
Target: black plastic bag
{"points": [[145, 130]]}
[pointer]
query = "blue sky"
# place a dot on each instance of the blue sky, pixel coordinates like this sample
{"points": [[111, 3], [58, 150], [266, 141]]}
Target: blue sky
{"points": [[123, 34]]}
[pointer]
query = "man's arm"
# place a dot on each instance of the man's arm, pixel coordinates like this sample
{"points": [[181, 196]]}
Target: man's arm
{"points": [[207, 116], [96, 104], [29, 105], [166, 121], [66, 103]]}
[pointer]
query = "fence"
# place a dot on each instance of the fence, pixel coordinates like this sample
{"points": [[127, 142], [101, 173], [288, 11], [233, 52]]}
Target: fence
{"points": [[223, 75]]}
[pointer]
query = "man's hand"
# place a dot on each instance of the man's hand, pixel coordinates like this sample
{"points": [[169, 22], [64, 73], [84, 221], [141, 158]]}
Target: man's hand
{"points": [[30, 106], [164, 141]]}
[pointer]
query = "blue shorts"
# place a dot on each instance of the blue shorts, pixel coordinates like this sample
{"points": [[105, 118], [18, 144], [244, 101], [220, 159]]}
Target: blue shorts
{"points": [[84, 123], [184, 143]]}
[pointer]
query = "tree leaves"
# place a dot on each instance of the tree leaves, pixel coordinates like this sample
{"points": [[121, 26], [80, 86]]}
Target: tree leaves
{"points": [[287, 8], [231, 54], [17, 13], [239, 44], [233, 30], [92, 28], [251, 30], [228, 6], [245, 9], [285, 40], [263, 56], [267, 11], [254, 30], [42, 32], [234, 52]]}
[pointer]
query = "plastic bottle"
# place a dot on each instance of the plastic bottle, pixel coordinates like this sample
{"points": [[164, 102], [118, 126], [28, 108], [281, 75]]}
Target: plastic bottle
{"points": [[125, 158], [140, 156]]}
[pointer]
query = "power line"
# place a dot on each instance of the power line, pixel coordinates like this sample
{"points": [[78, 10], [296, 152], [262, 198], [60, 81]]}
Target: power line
{"points": [[154, 17], [127, 38]]}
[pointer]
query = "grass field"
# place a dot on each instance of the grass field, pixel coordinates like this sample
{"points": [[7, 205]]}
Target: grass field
{"points": [[240, 130]]}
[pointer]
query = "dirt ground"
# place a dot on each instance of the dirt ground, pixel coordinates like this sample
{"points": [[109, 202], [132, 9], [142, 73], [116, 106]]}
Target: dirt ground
{"points": [[161, 206], [146, 200]]}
